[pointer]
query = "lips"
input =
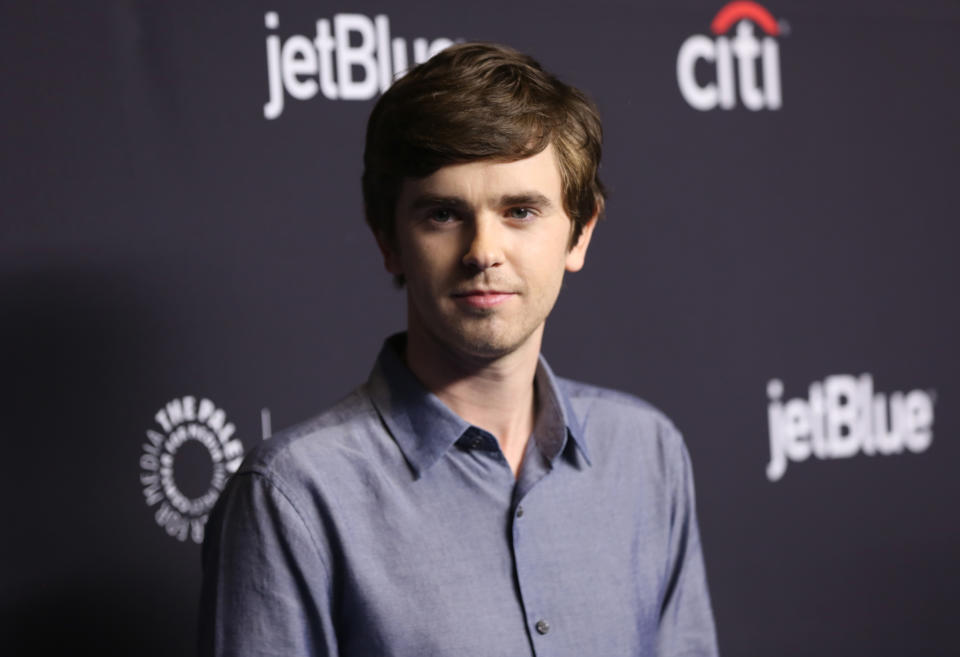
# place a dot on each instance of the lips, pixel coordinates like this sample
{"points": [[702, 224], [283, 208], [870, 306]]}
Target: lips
{"points": [[482, 298]]}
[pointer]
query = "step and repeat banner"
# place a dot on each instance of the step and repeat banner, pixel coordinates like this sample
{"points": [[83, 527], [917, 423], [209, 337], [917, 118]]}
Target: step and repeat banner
{"points": [[185, 268]]}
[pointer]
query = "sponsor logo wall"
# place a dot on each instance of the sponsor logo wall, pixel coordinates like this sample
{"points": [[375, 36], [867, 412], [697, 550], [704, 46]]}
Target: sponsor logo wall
{"points": [[183, 248]]}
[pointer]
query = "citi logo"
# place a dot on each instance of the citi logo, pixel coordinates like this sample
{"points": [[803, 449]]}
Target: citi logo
{"points": [[351, 57], [756, 60], [844, 416]]}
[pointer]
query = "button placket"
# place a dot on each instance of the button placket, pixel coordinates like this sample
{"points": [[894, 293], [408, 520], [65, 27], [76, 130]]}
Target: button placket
{"points": [[529, 574]]}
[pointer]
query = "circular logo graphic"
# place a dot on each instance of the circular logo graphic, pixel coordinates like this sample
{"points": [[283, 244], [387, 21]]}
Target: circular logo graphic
{"points": [[185, 464]]}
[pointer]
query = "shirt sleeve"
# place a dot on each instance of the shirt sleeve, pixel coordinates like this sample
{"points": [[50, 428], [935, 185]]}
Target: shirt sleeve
{"points": [[686, 619], [266, 585]]}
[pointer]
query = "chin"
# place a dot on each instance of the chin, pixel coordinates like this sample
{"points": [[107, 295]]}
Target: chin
{"points": [[486, 348], [489, 344]]}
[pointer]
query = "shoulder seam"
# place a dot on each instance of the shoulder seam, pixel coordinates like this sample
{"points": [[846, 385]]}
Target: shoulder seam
{"points": [[283, 493], [295, 434]]}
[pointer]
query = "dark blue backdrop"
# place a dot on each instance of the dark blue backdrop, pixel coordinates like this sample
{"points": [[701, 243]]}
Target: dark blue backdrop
{"points": [[161, 238]]}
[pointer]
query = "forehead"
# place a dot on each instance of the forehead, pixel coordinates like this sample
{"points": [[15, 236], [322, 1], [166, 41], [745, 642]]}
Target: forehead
{"points": [[481, 180]]}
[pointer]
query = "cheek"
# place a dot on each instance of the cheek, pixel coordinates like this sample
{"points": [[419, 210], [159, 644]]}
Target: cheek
{"points": [[543, 269], [548, 254], [429, 260]]}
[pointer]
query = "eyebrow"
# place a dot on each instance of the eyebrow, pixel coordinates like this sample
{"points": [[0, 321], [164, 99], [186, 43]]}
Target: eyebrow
{"points": [[432, 201], [526, 198], [522, 198]]}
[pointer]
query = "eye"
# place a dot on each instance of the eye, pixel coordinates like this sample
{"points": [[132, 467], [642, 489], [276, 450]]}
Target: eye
{"points": [[520, 213], [442, 215]]}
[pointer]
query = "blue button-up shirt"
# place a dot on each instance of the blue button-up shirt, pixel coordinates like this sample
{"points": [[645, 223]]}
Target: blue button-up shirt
{"points": [[389, 526]]}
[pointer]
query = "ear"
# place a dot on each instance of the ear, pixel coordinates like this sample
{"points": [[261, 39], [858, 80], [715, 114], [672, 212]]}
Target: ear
{"points": [[577, 255], [391, 257]]}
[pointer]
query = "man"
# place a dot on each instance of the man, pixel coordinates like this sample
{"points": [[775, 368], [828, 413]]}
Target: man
{"points": [[465, 501]]}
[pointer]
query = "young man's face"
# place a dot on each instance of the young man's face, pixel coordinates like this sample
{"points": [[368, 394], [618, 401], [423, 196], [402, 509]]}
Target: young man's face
{"points": [[483, 247]]}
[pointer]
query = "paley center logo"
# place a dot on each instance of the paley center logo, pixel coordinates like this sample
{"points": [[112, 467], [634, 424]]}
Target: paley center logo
{"points": [[842, 416], [350, 57], [183, 425], [753, 61]]}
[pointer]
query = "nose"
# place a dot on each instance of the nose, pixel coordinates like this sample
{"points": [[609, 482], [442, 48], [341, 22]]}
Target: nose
{"points": [[485, 248]]}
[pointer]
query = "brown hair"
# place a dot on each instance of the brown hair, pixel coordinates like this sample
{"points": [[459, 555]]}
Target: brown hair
{"points": [[477, 101]]}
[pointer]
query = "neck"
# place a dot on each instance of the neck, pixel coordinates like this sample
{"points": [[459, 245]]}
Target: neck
{"points": [[493, 393]]}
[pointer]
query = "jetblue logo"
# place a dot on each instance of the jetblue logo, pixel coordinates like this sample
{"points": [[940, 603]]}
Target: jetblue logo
{"points": [[741, 68], [350, 57], [843, 416]]}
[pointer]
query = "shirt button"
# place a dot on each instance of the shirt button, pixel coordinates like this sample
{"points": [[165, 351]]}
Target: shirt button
{"points": [[543, 626], [519, 511]]}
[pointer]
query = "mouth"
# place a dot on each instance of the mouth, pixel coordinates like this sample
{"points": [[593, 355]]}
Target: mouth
{"points": [[482, 298]]}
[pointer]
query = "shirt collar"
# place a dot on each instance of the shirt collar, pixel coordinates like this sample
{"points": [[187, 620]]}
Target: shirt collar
{"points": [[423, 426]]}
